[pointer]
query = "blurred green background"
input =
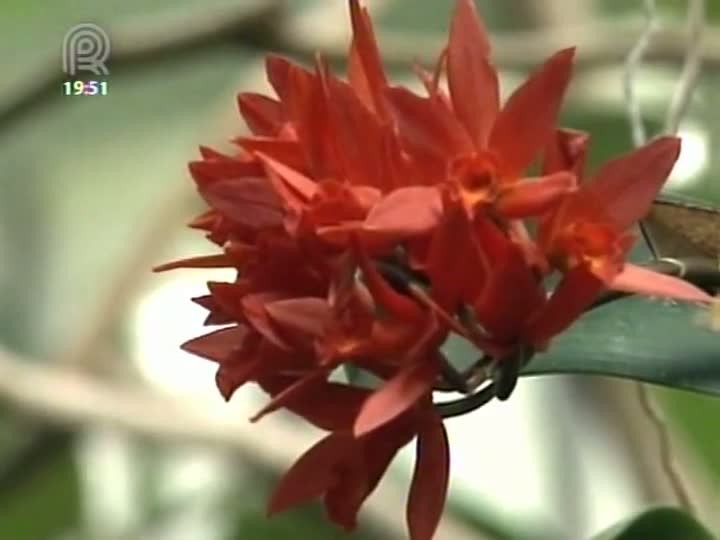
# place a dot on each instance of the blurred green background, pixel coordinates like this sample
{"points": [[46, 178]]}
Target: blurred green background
{"points": [[94, 191]]}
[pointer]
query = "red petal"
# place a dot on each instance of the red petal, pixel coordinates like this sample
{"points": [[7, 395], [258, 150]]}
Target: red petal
{"points": [[518, 233], [220, 260], [576, 291], [229, 380], [527, 121], [396, 304], [208, 153], [300, 320], [406, 212], [293, 394], [301, 185], [357, 79], [216, 315], [472, 80], [367, 52], [346, 402], [228, 296], [397, 395], [217, 346], [427, 125], [430, 479], [343, 500], [216, 169], [427, 80], [468, 28], [534, 196], [248, 201], [287, 152], [308, 114], [353, 122], [566, 151], [258, 318], [240, 368], [314, 473], [511, 293], [626, 186], [639, 280], [455, 265], [262, 115], [394, 166], [278, 74]]}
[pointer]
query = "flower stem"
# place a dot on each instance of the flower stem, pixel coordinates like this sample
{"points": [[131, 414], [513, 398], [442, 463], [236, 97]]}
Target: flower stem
{"points": [[468, 404]]}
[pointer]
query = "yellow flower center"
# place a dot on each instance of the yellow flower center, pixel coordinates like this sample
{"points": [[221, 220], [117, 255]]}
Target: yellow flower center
{"points": [[476, 177]]}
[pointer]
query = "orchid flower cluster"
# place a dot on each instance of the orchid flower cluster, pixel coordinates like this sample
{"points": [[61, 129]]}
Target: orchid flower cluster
{"points": [[368, 223]]}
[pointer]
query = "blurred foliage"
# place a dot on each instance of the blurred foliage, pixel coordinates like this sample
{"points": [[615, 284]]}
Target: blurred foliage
{"points": [[46, 503], [658, 524], [695, 418], [669, 8], [306, 523]]}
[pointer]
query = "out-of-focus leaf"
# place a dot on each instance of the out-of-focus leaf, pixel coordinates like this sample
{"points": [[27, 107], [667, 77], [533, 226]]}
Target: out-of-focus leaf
{"points": [[306, 522], [435, 16], [693, 417], [674, 8], [648, 340], [493, 524], [657, 524], [46, 504]]}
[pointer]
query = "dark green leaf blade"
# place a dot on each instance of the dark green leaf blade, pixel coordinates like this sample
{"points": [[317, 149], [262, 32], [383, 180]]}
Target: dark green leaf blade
{"points": [[654, 341], [658, 524]]}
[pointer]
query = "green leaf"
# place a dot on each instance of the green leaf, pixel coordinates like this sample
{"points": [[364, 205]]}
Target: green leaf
{"points": [[45, 501], [647, 340], [658, 524]]}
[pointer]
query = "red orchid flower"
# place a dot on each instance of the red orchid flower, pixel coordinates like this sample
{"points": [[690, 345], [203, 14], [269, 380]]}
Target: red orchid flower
{"points": [[340, 184], [470, 141], [476, 264], [591, 227]]}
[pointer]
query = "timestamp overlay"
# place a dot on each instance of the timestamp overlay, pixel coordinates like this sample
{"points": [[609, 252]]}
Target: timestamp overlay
{"points": [[85, 52]]}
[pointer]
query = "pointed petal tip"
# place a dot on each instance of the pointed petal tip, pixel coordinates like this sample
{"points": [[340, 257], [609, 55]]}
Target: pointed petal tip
{"points": [[564, 59], [638, 280], [670, 144], [365, 424]]}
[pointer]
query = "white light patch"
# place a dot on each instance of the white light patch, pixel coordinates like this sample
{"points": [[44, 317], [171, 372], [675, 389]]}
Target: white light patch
{"points": [[694, 157], [110, 481], [164, 319]]}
